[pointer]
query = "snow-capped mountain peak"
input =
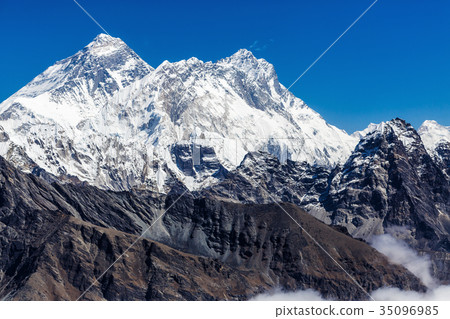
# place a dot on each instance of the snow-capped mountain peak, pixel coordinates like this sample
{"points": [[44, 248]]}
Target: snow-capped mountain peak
{"points": [[256, 69], [108, 118], [436, 139], [396, 129], [104, 44], [433, 134], [242, 57], [369, 129], [103, 39]]}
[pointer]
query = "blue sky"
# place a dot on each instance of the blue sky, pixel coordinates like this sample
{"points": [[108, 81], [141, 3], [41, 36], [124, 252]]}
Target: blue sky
{"points": [[393, 63]]}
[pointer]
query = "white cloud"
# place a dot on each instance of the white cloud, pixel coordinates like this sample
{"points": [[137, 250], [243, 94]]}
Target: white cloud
{"points": [[398, 252], [300, 295], [441, 293]]}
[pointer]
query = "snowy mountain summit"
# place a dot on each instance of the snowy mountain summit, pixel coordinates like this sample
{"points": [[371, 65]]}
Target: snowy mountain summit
{"points": [[106, 117], [436, 139], [434, 135]]}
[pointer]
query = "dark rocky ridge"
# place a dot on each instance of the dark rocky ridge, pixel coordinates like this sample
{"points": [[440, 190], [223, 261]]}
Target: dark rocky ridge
{"points": [[262, 178], [55, 239], [443, 157], [389, 181]]}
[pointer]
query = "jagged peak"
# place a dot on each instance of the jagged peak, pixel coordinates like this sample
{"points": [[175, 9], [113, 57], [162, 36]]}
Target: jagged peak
{"points": [[402, 130], [194, 60], [245, 61], [399, 122], [396, 124], [432, 124], [243, 53], [103, 39], [369, 129], [429, 123], [104, 44], [434, 134], [242, 59]]}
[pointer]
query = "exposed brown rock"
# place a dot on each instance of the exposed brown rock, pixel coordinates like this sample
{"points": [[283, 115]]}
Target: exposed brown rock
{"points": [[56, 239]]}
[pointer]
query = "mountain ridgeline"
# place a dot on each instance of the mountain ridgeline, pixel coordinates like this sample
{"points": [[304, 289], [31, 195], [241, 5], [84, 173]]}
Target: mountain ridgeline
{"points": [[213, 159], [57, 239]]}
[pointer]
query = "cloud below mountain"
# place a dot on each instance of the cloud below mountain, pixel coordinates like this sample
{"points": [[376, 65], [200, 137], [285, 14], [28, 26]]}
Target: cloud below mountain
{"points": [[279, 295], [398, 252], [440, 293]]}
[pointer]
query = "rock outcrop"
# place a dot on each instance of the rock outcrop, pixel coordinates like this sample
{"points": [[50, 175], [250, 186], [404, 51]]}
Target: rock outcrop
{"points": [[57, 239]]}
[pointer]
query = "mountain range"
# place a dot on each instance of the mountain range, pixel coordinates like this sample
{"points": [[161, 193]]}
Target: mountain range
{"points": [[226, 182], [106, 117]]}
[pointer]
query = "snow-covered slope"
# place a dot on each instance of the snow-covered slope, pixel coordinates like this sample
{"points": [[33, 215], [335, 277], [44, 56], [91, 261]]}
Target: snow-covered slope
{"points": [[108, 118], [436, 139], [369, 129], [433, 134], [57, 121]]}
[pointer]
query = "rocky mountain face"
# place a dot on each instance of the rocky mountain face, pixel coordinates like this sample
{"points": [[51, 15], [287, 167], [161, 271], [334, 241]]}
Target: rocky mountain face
{"points": [[389, 184], [57, 122], [263, 178], [107, 118], [56, 239], [391, 181], [390, 173]]}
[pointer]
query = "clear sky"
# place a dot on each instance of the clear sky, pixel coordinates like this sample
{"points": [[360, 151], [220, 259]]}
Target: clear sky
{"points": [[393, 63]]}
